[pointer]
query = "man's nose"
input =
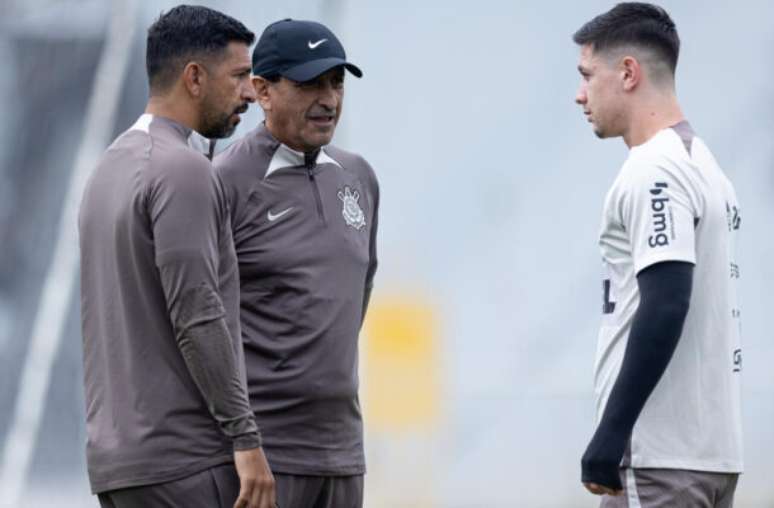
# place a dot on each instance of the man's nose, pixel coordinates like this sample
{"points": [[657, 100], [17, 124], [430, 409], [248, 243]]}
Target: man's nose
{"points": [[248, 92], [328, 96], [580, 95]]}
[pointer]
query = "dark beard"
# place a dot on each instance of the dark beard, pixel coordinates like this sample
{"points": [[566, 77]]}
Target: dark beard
{"points": [[217, 127]]}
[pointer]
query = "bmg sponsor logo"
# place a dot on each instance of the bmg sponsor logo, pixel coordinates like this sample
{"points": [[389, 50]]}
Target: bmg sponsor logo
{"points": [[660, 212]]}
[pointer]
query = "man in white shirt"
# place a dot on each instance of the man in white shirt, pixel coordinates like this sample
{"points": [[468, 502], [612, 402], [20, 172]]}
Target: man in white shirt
{"points": [[669, 357]]}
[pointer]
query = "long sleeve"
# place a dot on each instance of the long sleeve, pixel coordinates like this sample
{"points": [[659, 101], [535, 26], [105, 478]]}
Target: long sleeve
{"points": [[665, 293], [186, 219]]}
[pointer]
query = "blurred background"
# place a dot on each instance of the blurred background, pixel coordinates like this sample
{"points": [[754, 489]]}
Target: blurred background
{"points": [[478, 351]]}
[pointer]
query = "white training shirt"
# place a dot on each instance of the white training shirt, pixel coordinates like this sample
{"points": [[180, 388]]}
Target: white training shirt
{"points": [[672, 202]]}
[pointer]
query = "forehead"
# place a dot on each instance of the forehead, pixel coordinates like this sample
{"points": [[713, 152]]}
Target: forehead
{"points": [[236, 54], [336, 72], [588, 58]]}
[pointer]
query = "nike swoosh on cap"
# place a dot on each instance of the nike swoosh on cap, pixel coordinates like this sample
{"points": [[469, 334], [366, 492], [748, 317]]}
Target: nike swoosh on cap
{"points": [[313, 45], [274, 216]]}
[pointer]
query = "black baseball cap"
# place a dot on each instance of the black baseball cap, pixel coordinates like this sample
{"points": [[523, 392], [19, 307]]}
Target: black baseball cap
{"points": [[299, 50]]}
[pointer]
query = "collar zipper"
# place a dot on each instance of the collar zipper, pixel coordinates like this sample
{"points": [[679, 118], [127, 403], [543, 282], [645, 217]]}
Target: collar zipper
{"points": [[310, 163]]}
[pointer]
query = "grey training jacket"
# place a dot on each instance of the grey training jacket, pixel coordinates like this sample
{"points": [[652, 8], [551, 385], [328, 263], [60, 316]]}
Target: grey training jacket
{"points": [[305, 236]]}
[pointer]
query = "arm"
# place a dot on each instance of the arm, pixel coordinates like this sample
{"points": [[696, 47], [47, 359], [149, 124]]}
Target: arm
{"points": [[205, 343], [187, 214], [665, 292], [373, 262], [186, 217]]}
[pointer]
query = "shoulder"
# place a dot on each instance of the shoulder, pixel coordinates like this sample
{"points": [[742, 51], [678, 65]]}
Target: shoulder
{"points": [[176, 162], [354, 162], [661, 161], [347, 159], [249, 155], [134, 144], [179, 173]]}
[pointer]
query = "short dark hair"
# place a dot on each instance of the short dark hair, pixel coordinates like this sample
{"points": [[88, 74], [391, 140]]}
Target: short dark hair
{"points": [[186, 32], [643, 25]]}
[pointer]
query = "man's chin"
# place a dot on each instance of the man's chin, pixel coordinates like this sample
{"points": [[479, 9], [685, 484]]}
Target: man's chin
{"points": [[220, 131], [319, 141]]}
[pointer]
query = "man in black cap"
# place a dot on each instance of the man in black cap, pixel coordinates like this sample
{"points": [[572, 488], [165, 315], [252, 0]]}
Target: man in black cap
{"points": [[304, 217]]}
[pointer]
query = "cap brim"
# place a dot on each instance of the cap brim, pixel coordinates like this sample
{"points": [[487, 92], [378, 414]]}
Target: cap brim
{"points": [[310, 70]]}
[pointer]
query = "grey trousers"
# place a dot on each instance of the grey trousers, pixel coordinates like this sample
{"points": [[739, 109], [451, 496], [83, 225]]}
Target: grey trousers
{"points": [[675, 488], [297, 491], [217, 487]]}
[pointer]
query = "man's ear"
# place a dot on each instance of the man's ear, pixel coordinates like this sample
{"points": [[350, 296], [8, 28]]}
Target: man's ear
{"points": [[262, 92], [631, 72], [195, 79]]}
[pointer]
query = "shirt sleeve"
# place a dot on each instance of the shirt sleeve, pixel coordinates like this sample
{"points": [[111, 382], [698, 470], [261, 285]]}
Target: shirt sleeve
{"points": [[665, 295], [657, 213], [185, 215], [372, 256]]}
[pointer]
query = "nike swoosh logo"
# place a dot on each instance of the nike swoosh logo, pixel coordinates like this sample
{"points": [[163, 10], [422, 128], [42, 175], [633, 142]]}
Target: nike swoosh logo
{"points": [[275, 216], [313, 45]]}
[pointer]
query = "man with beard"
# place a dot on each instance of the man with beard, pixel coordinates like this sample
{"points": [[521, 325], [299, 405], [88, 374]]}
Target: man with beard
{"points": [[168, 418], [304, 216]]}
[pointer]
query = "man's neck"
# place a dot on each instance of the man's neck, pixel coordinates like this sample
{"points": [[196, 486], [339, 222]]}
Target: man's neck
{"points": [[657, 112], [174, 110]]}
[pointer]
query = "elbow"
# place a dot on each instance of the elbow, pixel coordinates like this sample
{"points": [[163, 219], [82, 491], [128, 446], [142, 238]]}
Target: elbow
{"points": [[673, 310], [679, 305], [197, 306], [668, 316]]}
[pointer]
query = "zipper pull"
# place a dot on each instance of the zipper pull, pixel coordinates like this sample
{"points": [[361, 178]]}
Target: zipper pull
{"points": [[310, 159]]}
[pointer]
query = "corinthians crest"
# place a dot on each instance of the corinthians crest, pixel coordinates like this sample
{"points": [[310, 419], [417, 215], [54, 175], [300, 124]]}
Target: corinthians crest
{"points": [[353, 214]]}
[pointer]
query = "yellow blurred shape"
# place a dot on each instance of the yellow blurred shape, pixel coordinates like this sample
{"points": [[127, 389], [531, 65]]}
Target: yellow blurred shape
{"points": [[401, 386]]}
